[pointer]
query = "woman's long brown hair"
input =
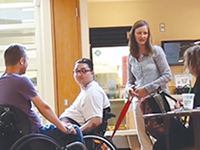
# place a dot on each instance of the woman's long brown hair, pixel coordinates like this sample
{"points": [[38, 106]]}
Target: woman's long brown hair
{"points": [[134, 50]]}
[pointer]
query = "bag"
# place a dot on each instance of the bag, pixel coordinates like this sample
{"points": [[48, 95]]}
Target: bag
{"points": [[185, 89], [159, 104]]}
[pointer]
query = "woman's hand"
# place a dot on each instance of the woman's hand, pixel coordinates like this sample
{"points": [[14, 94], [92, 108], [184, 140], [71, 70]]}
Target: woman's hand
{"points": [[141, 92], [178, 105], [132, 91]]}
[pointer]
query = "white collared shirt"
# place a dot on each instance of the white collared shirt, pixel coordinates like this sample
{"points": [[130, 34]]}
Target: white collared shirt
{"points": [[89, 103]]}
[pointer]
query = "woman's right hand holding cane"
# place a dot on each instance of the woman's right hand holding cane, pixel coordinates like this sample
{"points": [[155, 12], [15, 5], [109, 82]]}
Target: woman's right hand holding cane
{"points": [[132, 91]]}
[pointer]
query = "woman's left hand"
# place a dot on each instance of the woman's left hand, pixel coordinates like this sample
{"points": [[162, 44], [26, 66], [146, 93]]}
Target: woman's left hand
{"points": [[142, 92]]}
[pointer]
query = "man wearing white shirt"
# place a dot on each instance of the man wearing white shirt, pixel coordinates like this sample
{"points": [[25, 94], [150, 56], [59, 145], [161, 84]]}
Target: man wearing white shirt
{"points": [[87, 108]]}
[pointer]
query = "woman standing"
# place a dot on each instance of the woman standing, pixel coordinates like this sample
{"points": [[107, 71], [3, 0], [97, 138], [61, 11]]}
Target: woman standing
{"points": [[148, 70]]}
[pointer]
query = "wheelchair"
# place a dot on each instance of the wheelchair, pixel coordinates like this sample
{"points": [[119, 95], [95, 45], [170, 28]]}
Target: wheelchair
{"points": [[15, 134], [95, 140]]}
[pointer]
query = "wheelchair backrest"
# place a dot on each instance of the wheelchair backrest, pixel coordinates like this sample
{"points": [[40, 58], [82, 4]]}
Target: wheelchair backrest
{"points": [[13, 119], [101, 129], [14, 124]]}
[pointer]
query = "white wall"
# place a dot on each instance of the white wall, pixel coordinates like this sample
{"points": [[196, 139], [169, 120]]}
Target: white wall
{"points": [[46, 80], [84, 28]]}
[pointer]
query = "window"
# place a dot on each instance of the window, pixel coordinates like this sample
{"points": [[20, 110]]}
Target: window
{"points": [[18, 25], [28, 22]]}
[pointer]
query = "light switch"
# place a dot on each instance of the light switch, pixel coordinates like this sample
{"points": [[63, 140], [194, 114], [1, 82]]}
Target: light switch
{"points": [[66, 102], [162, 27]]}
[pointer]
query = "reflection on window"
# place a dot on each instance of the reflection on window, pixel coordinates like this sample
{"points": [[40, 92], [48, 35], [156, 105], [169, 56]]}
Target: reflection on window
{"points": [[17, 16], [32, 76], [23, 36], [15, 1], [18, 25]]}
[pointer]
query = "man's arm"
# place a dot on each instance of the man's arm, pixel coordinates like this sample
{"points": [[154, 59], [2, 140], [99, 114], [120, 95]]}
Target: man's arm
{"points": [[48, 113], [91, 124]]}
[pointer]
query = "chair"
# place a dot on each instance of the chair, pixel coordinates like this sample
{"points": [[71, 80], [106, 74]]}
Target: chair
{"points": [[101, 129], [13, 125], [15, 133], [95, 140]]}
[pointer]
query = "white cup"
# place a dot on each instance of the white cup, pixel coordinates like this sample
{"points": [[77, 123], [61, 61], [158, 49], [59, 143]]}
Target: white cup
{"points": [[188, 100]]}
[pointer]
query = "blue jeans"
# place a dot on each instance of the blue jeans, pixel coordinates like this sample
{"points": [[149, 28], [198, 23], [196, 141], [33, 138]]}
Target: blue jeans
{"points": [[59, 136]]}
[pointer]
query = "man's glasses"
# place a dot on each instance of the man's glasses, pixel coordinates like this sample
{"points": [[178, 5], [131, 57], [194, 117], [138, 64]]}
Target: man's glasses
{"points": [[81, 71]]}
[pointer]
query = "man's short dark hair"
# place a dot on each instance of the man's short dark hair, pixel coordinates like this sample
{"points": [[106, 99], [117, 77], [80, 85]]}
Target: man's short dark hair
{"points": [[13, 54], [86, 61]]}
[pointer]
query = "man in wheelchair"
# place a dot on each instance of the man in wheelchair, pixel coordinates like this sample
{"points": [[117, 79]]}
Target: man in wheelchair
{"points": [[90, 106], [18, 91]]}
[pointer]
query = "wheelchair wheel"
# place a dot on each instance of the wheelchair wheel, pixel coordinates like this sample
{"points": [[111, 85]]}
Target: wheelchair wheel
{"points": [[35, 142], [98, 142]]}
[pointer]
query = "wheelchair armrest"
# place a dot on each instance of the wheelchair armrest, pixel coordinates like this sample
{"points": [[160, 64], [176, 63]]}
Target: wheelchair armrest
{"points": [[109, 115]]}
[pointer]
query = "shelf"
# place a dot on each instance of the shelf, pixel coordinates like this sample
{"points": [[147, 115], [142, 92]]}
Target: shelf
{"points": [[122, 132], [118, 99]]}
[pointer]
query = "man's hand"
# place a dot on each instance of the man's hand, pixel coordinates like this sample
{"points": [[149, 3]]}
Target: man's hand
{"points": [[91, 124], [69, 127]]}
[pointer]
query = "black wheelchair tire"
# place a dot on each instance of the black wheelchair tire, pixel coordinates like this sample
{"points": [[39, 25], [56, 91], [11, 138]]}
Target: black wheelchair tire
{"points": [[18, 145], [105, 141]]}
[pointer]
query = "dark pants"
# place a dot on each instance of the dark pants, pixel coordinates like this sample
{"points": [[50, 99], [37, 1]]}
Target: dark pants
{"points": [[179, 140]]}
